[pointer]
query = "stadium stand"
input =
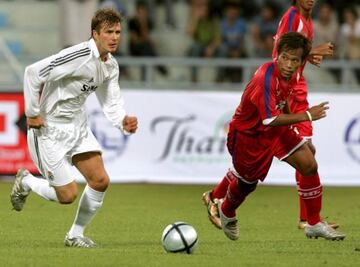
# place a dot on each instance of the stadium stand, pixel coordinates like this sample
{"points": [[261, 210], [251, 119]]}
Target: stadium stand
{"points": [[31, 30]]}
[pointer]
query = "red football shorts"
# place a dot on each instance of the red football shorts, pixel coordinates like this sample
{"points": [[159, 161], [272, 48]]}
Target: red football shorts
{"points": [[252, 154]]}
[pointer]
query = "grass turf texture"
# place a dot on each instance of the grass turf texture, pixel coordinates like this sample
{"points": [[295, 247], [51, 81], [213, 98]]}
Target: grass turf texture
{"points": [[128, 229]]}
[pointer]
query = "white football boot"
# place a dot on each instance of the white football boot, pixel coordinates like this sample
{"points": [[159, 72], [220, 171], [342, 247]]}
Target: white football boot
{"points": [[229, 225], [18, 193], [324, 230], [79, 242]]}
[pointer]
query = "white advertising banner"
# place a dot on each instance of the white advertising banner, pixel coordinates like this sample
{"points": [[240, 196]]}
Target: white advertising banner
{"points": [[182, 138]]}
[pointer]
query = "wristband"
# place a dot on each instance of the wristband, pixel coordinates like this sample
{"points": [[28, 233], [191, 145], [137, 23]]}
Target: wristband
{"points": [[309, 115]]}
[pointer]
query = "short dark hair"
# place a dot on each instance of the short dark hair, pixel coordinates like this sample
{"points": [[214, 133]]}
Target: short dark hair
{"points": [[103, 16], [293, 41], [293, 2]]}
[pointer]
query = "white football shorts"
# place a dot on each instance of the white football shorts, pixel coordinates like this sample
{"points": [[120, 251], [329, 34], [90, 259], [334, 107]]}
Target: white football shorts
{"points": [[53, 146]]}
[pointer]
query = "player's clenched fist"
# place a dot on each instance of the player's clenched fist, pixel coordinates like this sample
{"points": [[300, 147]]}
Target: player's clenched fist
{"points": [[130, 124]]}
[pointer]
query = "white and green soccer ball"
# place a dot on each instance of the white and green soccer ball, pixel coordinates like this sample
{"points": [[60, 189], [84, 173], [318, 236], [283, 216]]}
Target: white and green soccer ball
{"points": [[179, 237]]}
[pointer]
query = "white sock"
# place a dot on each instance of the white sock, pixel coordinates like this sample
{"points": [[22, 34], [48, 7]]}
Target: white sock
{"points": [[39, 186], [90, 201]]}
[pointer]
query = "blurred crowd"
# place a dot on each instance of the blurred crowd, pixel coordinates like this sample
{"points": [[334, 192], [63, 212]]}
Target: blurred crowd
{"points": [[229, 28]]}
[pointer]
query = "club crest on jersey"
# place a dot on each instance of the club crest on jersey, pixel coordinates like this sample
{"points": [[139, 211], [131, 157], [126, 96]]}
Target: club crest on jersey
{"points": [[281, 105]]}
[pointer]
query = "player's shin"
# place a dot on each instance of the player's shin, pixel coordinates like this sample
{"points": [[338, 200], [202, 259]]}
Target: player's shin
{"points": [[220, 190], [90, 202], [310, 190], [236, 194], [302, 208]]}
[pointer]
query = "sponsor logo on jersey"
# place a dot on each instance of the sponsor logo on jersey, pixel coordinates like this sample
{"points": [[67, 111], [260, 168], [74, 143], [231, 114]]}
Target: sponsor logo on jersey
{"points": [[88, 87]]}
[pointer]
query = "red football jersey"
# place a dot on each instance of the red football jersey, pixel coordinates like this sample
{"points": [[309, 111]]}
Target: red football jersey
{"points": [[292, 21], [263, 99]]}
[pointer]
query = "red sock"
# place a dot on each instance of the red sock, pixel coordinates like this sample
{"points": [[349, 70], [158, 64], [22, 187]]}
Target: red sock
{"points": [[310, 190], [221, 189], [302, 208], [236, 194]]}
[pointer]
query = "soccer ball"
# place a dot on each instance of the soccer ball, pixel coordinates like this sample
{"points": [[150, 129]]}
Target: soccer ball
{"points": [[179, 237]]}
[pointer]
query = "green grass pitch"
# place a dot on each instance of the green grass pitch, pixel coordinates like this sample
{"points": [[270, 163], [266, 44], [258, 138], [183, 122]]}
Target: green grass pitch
{"points": [[128, 230]]}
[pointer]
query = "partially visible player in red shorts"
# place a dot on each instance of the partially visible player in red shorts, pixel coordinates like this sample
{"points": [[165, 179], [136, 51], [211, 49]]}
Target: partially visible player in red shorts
{"points": [[296, 19], [260, 129]]}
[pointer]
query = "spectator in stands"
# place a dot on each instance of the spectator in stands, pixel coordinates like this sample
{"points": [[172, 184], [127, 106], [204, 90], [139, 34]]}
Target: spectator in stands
{"points": [[249, 8], [264, 26], [204, 28], [118, 5], [233, 29], [140, 42], [350, 36], [267, 45], [339, 6], [326, 27], [169, 11], [75, 20]]}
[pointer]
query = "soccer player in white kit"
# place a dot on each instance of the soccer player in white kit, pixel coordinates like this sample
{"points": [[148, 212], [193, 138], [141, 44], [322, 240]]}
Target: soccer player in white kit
{"points": [[55, 90]]}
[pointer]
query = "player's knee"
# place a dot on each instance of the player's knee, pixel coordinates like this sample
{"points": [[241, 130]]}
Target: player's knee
{"points": [[67, 198], [309, 168], [67, 194], [247, 188], [101, 183]]}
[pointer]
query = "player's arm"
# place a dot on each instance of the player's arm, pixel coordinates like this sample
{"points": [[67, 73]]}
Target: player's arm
{"points": [[33, 83], [112, 103], [313, 114], [287, 109], [49, 69], [319, 52]]}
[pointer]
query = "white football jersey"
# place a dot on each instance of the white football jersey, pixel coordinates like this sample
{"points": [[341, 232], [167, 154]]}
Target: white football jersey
{"points": [[57, 87]]}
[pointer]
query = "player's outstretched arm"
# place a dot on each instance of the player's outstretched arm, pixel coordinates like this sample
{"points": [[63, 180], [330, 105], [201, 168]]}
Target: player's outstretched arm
{"points": [[314, 113], [325, 50], [319, 52]]}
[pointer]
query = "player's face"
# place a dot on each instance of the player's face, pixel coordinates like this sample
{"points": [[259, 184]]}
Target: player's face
{"points": [[107, 40], [289, 62], [307, 4]]}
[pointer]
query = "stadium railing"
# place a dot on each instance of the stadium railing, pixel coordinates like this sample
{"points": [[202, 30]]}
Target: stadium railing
{"points": [[346, 81]]}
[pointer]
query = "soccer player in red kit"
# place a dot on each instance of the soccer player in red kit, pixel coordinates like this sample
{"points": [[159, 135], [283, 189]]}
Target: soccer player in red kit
{"points": [[260, 129], [296, 19]]}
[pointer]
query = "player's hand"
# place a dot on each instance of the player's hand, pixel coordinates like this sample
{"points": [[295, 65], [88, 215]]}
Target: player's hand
{"points": [[315, 60], [35, 122], [130, 124], [318, 112], [325, 50]]}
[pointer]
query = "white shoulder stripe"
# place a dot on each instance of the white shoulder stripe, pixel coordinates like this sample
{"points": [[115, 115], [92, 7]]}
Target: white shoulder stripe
{"points": [[300, 27]]}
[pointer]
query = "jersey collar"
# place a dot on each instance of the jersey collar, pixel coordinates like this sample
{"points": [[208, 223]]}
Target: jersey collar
{"points": [[94, 48]]}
